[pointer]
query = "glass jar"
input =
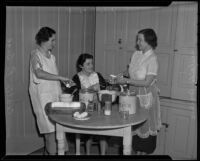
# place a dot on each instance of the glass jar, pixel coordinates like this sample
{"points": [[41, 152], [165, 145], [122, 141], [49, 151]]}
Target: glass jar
{"points": [[107, 108], [86, 95]]}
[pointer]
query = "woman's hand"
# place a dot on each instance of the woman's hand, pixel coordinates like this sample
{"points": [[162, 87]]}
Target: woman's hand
{"points": [[113, 78], [121, 80], [68, 81]]}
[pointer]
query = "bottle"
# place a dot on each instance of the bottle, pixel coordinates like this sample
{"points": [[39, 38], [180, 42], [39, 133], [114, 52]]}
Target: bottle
{"points": [[90, 106]]}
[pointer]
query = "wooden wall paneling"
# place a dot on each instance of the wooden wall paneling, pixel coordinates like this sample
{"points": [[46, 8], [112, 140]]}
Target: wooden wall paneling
{"points": [[19, 119], [76, 38], [132, 29], [147, 19], [30, 26], [9, 69], [89, 41], [64, 41], [100, 32], [121, 34], [18, 77]]}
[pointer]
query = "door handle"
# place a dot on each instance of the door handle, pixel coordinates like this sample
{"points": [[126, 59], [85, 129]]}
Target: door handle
{"points": [[119, 41], [165, 124]]}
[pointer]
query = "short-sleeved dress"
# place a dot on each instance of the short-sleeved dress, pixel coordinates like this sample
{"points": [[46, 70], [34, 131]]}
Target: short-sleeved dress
{"points": [[140, 66], [43, 91]]}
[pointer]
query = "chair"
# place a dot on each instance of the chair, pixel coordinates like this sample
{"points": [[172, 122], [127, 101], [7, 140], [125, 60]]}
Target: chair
{"points": [[88, 146]]}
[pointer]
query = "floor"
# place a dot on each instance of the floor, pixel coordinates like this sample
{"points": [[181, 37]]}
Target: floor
{"points": [[114, 148]]}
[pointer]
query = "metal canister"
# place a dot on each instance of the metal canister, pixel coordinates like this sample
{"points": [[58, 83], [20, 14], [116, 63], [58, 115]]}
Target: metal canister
{"points": [[127, 102]]}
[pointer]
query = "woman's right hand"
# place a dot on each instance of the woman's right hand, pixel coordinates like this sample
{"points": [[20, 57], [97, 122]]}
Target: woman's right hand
{"points": [[68, 81]]}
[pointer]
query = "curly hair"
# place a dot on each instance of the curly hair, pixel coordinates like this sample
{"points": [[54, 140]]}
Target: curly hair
{"points": [[44, 34], [81, 60]]}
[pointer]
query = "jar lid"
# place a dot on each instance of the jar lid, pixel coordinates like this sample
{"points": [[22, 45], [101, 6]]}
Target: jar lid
{"points": [[129, 93], [107, 102]]}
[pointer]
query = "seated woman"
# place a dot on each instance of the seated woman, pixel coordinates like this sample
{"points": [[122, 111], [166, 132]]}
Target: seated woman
{"points": [[87, 78]]}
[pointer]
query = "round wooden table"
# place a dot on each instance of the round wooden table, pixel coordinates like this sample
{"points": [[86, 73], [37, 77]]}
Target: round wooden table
{"points": [[99, 124]]}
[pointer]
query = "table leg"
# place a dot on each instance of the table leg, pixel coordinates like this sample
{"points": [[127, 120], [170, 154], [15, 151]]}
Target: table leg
{"points": [[78, 144], [127, 141], [61, 141]]}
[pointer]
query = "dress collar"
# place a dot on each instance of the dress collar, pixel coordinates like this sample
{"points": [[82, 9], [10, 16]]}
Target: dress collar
{"points": [[149, 52], [81, 73]]}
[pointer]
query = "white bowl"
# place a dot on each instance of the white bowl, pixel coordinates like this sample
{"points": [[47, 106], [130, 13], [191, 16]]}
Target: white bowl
{"points": [[112, 92]]}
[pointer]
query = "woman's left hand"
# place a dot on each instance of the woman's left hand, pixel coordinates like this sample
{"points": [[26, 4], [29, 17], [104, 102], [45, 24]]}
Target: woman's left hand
{"points": [[121, 80]]}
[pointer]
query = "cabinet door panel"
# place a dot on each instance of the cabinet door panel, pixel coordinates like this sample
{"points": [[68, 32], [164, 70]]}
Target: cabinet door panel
{"points": [[164, 73], [185, 60], [184, 77], [186, 34], [181, 133], [165, 29]]}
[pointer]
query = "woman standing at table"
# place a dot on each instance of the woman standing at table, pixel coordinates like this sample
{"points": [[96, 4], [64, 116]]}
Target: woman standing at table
{"points": [[87, 78], [44, 84], [143, 70]]}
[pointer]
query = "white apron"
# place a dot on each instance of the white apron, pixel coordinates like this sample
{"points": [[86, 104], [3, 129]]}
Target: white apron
{"points": [[140, 66], [44, 91]]}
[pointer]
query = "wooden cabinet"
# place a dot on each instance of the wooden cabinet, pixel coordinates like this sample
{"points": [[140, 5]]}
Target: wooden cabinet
{"points": [[184, 75], [178, 136]]}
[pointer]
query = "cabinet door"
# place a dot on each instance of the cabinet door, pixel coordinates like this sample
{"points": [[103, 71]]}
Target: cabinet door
{"points": [[106, 45], [162, 20], [180, 137], [185, 61]]}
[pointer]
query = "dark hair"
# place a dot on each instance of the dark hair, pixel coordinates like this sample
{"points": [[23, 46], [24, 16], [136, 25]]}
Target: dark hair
{"points": [[81, 60], [149, 37], [44, 34]]}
